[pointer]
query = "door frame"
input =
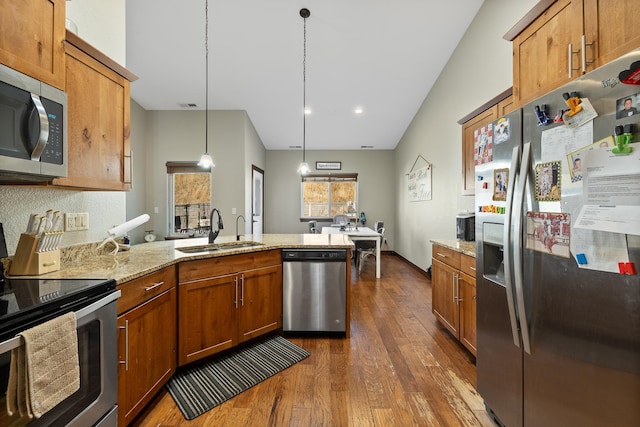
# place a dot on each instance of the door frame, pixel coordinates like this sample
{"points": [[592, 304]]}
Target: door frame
{"points": [[257, 173]]}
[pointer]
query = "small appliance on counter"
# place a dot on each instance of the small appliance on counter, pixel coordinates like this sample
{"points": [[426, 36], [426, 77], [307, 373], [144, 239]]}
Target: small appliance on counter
{"points": [[466, 226]]}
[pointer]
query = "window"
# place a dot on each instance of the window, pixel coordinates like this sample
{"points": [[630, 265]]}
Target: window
{"points": [[189, 198], [327, 195]]}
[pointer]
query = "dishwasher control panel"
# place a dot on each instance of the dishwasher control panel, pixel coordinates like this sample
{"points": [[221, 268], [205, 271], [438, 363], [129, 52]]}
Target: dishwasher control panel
{"points": [[314, 255]]}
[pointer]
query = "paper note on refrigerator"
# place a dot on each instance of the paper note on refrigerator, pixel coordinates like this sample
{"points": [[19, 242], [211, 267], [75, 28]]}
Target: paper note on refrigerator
{"points": [[611, 192]]}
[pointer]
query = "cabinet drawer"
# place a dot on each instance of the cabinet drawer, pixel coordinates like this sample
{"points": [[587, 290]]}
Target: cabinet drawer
{"points": [[468, 265], [447, 256], [139, 290], [218, 266]]}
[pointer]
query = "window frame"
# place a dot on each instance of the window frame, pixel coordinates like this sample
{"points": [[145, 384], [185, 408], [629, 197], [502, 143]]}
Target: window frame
{"points": [[182, 167], [328, 178]]}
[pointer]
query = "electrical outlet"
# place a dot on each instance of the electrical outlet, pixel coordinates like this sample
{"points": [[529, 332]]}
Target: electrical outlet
{"points": [[76, 221]]}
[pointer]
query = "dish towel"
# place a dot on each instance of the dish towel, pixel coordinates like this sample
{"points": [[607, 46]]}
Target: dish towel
{"points": [[45, 370]]}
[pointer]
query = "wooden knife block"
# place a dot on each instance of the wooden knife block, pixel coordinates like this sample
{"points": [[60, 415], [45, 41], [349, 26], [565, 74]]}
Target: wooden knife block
{"points": [[28, 262]]}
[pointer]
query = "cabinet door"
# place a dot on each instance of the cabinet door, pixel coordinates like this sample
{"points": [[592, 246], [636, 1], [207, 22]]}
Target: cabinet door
{"points": [[612, 28], [468, 148], [541, 52], [467, 301], [445, 295], [207, 316], [147, 353], [32, 38], [260, 302], [98, 128]]}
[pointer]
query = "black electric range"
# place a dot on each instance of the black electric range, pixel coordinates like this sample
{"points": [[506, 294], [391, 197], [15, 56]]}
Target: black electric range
{"points": [[25, 303]]}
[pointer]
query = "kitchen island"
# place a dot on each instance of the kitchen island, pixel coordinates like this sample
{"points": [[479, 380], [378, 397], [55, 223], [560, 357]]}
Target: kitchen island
{"points": [[84, 262], [183, 301]]}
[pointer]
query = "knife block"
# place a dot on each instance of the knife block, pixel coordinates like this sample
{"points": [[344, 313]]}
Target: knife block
{"points": [[28, 262]]}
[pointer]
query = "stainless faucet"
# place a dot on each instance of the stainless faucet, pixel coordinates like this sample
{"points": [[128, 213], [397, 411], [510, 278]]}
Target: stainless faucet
{"points": [[214, 234], [245, 221]]}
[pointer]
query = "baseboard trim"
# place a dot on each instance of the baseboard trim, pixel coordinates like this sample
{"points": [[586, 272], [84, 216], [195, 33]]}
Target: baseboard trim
{"points": [[406, 261]]}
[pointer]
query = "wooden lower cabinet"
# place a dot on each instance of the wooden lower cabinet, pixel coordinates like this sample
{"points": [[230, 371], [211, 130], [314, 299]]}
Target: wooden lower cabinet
{"points": [[147, 340], [227, 300], [444, 300], [454, 294], [467, 304]]}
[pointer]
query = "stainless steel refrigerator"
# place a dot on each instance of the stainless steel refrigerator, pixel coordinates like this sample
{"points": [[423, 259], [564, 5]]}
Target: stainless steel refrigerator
{"points": [[558, 319]]}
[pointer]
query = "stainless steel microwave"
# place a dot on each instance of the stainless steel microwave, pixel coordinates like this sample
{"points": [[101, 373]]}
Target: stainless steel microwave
{"points": [[33, 129]]}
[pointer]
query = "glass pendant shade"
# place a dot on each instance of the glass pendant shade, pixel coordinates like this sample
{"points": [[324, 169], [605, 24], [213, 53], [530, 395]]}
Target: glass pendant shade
{"points": [[303, 168], [206, 161]]}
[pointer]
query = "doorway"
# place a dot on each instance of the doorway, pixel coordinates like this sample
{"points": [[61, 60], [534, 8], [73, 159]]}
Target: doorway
{"points": [[257, 200]]}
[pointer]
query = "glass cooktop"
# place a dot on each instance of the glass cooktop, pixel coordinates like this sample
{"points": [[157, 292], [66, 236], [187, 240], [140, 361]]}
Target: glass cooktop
{"points": [[27, 302]]}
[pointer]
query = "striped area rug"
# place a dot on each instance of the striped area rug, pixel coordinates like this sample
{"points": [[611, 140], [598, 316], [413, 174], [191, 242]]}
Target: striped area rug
{"points": [[207, 385]]}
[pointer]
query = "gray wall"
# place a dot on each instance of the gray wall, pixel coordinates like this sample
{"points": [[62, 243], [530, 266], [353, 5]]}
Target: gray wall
{"points": [[479, 69], [180, 136], [375, 170]]}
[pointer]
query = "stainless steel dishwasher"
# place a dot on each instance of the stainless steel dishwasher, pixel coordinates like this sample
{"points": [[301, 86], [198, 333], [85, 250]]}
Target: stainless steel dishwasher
{"points": [[314, 290]]}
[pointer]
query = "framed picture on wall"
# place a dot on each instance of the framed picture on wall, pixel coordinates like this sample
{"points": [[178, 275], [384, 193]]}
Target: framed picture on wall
{"points": [[329, 166]]}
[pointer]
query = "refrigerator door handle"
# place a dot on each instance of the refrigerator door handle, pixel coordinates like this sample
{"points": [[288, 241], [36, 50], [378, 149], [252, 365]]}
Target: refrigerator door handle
{"points": [[508, 275], [517, 245]]}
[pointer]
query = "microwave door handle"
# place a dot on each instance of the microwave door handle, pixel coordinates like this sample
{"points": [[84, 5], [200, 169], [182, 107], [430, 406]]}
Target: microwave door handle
{"points": [[43, 137]]}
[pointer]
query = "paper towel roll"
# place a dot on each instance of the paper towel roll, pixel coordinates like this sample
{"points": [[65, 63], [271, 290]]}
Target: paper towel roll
{"points": [[129, 225]]}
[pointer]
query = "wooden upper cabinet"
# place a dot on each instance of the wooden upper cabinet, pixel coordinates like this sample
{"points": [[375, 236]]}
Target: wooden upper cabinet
{"points": [[558, 41], [611, 28], [32, 38], [541, 58], [468, 147], [491, 110], [98, 99]]}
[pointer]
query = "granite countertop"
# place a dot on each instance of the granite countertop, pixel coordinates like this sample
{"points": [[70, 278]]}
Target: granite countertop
{"points": [[146, 258], [467, 248]]}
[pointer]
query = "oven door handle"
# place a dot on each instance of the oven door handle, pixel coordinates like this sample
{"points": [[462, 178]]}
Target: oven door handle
{"points": [[82, 317]]}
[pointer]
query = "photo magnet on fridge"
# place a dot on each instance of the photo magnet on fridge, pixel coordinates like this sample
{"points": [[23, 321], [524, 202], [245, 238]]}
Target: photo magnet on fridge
{"points": [[548, 181]]}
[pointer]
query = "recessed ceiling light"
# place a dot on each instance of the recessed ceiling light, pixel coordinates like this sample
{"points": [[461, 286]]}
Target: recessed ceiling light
{"points": [[307, 110], [358, 110]]}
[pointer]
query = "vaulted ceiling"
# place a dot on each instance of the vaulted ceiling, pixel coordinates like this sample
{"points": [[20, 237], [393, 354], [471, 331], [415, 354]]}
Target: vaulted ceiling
{"points": [[381, 56]]}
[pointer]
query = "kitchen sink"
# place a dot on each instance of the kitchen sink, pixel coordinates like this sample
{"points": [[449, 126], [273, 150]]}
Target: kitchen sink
{"points": [[217, 247]]}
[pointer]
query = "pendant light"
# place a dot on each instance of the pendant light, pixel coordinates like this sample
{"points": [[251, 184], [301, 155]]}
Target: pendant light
{"points": [[303, 168], [206, 161]]}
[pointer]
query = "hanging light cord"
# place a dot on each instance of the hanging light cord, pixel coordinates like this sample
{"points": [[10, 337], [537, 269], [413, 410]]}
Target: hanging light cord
{"points": [[206, 77], [304, 93]]}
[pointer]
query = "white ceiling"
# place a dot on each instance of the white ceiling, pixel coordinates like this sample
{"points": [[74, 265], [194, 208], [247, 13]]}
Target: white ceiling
{"points": [[380, 55]]}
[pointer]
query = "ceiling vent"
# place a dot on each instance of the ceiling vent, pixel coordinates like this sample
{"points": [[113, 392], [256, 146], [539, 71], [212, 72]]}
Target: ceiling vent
{"points": [[366, 147], [188, 104]]}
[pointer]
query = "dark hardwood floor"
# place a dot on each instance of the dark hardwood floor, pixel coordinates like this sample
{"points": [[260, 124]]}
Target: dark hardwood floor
{"points": [[399, 368]]}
